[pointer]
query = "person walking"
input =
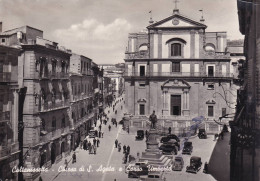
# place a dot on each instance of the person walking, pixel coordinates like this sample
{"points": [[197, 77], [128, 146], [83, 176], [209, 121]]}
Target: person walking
{"points": [[100, 127], [94, 141], [94, 149], [170, 130], [89, 147], [99, 134], [74, 158], [119, 147], [95, 123], [98, 142], [66, 164], [116, 142], [128, 150], [124, 149], [109, 127], [116, 123]]}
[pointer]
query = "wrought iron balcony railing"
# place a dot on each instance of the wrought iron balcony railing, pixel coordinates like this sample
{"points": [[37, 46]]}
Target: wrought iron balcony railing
{"points": [[176, 74], [47, 106]]}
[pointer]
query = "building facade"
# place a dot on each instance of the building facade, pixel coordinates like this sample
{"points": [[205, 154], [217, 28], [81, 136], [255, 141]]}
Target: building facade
{"points": [[9, 146], [245, 129], [82, 94], [180, 71]]}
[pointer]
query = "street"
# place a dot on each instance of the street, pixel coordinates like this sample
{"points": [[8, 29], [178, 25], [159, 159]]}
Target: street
{"points": [[107, 164]]}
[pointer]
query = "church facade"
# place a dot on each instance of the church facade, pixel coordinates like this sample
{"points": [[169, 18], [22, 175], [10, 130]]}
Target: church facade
{"points": [[180, 71]]}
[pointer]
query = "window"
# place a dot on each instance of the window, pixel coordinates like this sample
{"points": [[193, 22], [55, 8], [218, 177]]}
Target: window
{"points": [[175, 66], [142, 84], [142, 112], [63, 122], [176, 49], [224, 111], [3, 40], [210, 111], [211, 87], [53, 124], [211, 71], [142, 70], [43, 125]]}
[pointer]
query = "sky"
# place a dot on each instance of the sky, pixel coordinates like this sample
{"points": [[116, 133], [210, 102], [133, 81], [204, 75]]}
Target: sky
{"points": [[99, 29]]}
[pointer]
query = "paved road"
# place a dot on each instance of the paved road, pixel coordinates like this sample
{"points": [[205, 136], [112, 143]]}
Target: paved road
{"points": [[108, 157]]}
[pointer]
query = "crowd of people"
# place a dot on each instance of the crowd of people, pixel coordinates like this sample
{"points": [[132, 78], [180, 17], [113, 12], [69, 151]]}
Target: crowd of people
{"points": [[92, 145]]}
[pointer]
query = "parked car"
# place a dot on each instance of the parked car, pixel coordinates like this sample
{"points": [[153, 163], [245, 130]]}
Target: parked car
{"points": [[153, 176], [135, 170], [202, 134], [173, 142], [168, 137], [187, 149], [168, 149], [178, 163], [140, 135], [195, 164]]}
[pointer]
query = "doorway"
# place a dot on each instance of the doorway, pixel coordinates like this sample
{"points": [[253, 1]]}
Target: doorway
{"points": [[142, 70], [176, 105], [53, 153]]}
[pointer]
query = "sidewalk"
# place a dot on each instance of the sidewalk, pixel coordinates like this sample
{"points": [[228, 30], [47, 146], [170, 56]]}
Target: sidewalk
{"points": [[219, 164]]}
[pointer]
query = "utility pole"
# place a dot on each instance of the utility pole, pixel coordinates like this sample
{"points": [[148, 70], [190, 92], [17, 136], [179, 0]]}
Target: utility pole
{"points": [[22, 93]]}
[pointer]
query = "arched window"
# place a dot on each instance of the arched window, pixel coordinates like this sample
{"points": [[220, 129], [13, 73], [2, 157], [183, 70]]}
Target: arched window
{"points": [[209, 47], [176, 49], [53, 123]]}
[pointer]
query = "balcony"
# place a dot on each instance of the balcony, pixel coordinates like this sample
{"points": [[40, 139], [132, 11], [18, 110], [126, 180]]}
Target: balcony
{"points": [[5, 77], [135, 55], [58, 75], [178, 74], [48, 106], [80, 121], [6, 151]]}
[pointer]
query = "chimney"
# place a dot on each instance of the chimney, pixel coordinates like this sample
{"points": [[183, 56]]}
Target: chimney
{"points": [[1, 26]]}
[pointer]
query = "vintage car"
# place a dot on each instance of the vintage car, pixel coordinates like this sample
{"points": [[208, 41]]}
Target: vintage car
{"points": [[202, 134], [195, 164], [140, 135], [135, 170], [187, 149], [174, 142], [169, 149], [168, 137], [178, 164], [92, 134], [153, 176]]}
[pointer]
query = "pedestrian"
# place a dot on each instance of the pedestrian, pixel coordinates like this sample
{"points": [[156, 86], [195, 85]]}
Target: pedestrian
{"points": [[222, 135], [109, 127], [96, 132], [66, 164], [81, 144], [94, 141], [170, 130], [89, 147], [126, 158], [102, 134], [95, 123], [94, 149], [98, 142], [105, 121], [74, 158], [116, 112], [119, 147], [100, 127], [124, 149], [116, 142], [116, 123], [128, 149], [99, 134]]}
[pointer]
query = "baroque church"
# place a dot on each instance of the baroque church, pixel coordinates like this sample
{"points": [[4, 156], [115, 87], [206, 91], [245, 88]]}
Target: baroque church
{"points": [[181, 72]]}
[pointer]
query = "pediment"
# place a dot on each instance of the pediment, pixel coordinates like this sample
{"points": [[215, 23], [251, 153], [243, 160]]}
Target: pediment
{"points": [[177, 21], [141, 100], [176, 83], [211, 102]]}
